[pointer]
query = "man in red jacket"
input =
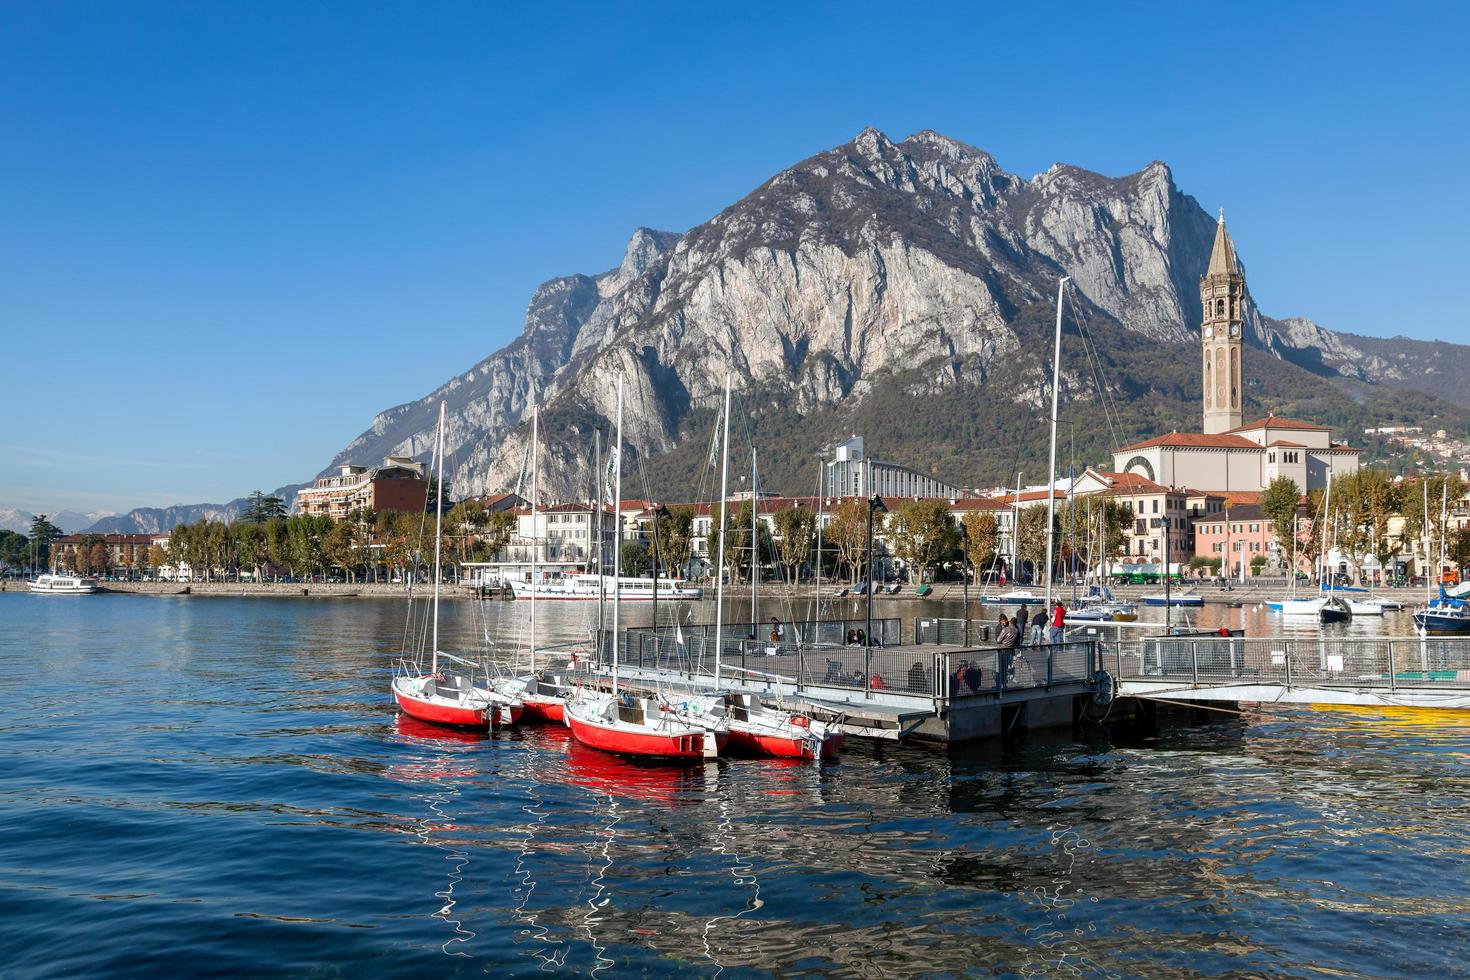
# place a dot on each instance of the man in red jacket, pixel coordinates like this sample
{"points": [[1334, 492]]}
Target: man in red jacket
{"points": [[1057, 633]]}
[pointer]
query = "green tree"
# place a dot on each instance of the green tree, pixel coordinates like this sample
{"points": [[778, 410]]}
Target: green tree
{"points": [[847, 533], [462, 526], [797, 529], [922, 533], [982, 538], [1280, 504], [43, 532], [1031, 539], [676, 537], [263, 507], [251, 547], [339, 548], [634, 558], [497, 532], [15, 549]]}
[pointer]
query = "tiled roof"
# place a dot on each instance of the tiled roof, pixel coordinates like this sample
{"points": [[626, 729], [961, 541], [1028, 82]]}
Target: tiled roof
{"points": [[1284, 443], [1278, 422], [1195, 440], [1132, 483]]}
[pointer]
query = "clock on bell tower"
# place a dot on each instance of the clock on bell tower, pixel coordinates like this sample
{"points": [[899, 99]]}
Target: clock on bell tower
{"points": [[1222, 294]]}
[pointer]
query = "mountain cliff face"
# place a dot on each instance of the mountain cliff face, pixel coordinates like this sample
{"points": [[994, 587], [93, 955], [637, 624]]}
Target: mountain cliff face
{"points": [[920, 264]]}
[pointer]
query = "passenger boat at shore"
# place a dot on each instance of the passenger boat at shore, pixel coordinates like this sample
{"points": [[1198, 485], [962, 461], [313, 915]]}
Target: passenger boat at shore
{"points": [[449, 692], [50, 584], [1188, 599], [590, 588]]}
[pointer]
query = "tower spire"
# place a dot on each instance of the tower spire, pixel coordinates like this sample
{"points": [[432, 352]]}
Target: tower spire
{"points": [[1222, 297], [1222, 257]]}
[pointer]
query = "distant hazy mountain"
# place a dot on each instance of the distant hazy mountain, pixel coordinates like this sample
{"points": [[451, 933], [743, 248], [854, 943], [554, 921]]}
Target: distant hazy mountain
{"points": [[902, 290], [160, 520], [68, 520]]}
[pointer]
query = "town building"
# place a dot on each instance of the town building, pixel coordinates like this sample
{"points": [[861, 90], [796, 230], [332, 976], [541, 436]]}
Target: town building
{"points": [[1236, 537], [119, 552], [1162, 515], [398, 484], [852, 473], [1228, 455]]}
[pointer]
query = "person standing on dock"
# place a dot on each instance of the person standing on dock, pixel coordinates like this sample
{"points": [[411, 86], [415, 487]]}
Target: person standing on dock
{"points": [[1058, 622], [1005, 649], [1038, 628], [1022, 615]]}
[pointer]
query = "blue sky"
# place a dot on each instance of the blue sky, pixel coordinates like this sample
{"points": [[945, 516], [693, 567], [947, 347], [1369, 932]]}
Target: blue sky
{"points": [[230, 233]]}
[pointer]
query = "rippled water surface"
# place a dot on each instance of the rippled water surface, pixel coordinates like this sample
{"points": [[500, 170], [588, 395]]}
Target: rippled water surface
{"points": [[210, 786]]}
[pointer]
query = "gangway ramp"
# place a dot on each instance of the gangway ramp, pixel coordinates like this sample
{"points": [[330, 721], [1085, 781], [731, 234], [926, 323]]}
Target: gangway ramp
{"points": [[1431, 672]]}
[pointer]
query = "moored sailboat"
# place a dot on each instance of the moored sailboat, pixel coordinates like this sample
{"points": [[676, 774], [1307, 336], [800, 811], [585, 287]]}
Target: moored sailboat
{"points": [[620, 722], [449, 692]]}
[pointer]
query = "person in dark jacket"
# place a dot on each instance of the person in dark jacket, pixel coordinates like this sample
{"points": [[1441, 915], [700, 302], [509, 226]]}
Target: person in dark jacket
{"points": [[1023, 614]]}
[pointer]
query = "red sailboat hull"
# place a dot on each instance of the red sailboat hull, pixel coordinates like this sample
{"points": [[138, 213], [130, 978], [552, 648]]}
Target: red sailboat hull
{"points": [[441, 714], [782, 746], [549, 710], [678, 745]]}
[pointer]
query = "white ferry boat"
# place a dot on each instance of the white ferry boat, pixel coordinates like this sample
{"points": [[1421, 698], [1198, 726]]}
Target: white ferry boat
{"points": [[585, 587], [63, 585]]}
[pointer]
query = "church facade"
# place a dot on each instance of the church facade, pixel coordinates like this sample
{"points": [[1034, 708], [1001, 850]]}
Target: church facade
{"points": [[1228, 455]]}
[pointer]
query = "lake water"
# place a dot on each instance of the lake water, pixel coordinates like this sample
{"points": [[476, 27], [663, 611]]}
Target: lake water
{"points": [[221, 786]]}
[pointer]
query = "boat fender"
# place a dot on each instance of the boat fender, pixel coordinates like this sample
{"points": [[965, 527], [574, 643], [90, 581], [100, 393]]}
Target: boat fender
{"points": [[801, 721]]}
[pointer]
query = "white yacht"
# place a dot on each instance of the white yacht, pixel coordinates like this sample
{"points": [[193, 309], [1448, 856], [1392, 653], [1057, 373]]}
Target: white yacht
{"points": [[63, 585], [585, 587]]}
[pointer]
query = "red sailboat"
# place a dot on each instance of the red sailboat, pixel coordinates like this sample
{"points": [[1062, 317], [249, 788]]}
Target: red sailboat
{"points": [[758, 729], [636, 726], [622, 723], [450, 692]]}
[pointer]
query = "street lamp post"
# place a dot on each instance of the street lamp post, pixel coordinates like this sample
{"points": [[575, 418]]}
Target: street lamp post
{"points": [[965, 574], [875, 506], [662, 514]]}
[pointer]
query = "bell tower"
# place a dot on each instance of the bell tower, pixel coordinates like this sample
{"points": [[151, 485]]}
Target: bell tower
{"points": [[1222, 294]]}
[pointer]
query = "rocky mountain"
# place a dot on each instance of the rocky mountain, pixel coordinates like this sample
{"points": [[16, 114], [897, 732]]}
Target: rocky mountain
{"points": [[161, 520], [905, 275], [69, 521]]}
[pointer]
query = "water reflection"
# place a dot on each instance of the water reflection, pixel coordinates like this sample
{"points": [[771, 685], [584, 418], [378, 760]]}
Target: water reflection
{"points": [[300, 822]]}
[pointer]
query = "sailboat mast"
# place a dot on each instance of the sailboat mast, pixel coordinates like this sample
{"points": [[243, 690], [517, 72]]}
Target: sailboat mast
{"points": [[755, 548], [1428, 544], [821, 489], [1326, 529], [1051, 470], [617, 456], [720, 561], [1072, 515], [597, 530], [438, 530], [1444, 531], [1016, 530], [535, 493]]}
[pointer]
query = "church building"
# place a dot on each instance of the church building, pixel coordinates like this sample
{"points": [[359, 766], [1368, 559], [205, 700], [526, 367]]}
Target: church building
{"points": [[1228, 456]]}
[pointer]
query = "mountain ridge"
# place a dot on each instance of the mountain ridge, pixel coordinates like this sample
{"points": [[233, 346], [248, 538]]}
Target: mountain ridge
{"points": [[922, 265]]}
